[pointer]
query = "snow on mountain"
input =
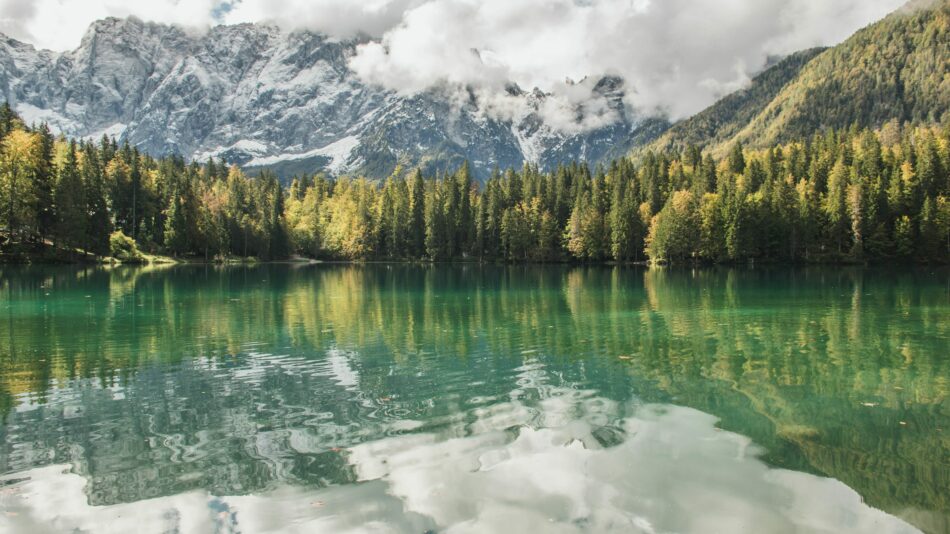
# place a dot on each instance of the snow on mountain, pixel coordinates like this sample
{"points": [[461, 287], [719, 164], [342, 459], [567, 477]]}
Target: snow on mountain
{"points": [[338, 152], [262, 97]]}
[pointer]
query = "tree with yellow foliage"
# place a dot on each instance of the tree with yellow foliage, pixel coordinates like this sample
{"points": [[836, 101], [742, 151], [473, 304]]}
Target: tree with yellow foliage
{"points": [[18, 165]]}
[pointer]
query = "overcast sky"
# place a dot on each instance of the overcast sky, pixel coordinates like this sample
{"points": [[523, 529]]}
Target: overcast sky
{"points": [[679, 55]]}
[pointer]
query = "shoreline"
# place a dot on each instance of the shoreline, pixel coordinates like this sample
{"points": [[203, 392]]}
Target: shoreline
{"points": [[171, 261]]}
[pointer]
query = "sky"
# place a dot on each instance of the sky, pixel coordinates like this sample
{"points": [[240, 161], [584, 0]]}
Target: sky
{"points": [[678, 56]]}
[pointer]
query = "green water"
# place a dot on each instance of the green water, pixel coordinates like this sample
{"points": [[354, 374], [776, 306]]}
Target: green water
{"points": [[383, 398]]}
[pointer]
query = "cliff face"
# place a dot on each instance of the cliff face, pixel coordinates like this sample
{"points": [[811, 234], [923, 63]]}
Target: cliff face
{"points": [[259, 96]]}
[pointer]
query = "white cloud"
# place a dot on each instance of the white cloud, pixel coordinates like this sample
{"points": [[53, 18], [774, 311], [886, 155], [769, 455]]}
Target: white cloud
{"points": [[677, 56], [60, 24], [343, 18]]}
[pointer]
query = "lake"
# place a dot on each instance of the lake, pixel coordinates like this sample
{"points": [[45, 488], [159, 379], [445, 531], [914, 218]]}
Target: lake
{"points": [[395, 398]]}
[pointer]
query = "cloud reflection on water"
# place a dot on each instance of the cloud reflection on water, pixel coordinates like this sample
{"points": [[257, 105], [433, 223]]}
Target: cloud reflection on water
{"points": [[574, 462]]}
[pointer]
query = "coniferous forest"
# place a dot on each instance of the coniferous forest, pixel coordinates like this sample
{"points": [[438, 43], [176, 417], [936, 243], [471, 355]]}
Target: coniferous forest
{"points": [[852, 195]]}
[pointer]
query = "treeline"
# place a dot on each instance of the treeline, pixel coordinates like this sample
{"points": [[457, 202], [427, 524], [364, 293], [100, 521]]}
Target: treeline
{"points": [[94, 197], [852, 195]]}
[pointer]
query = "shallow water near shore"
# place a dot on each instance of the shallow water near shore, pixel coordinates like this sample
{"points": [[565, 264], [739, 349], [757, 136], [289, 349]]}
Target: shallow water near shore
{"points": [[398, 398]]}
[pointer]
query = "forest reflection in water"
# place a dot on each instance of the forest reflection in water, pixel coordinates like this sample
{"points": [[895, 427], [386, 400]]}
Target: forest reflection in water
{"points": [[240, 381]]}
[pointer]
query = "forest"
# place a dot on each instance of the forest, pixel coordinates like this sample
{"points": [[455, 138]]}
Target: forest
{"points": [[853, 195]]}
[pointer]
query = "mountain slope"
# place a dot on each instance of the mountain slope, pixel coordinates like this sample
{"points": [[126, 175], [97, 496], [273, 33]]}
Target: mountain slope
{"points": [[720, 122], [898, 68], [259, 96]]}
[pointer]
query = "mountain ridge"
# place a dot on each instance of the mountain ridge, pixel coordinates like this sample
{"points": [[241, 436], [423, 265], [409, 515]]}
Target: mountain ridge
{"points": [[256, 95], [259, 96]]}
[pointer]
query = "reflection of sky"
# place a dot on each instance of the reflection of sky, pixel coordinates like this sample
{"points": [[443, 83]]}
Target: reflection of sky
{"points": [[570, 463], [468, 410]]}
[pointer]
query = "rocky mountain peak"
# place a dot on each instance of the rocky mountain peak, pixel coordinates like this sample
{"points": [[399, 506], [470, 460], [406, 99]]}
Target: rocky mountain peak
{"points": [[261, 97]]}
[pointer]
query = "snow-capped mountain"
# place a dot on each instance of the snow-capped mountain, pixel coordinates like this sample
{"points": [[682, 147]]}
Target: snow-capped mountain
{"points": [[259, 96]]}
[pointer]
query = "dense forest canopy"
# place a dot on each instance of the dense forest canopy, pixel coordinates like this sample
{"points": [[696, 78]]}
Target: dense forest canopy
{"points": [[845, 195]]}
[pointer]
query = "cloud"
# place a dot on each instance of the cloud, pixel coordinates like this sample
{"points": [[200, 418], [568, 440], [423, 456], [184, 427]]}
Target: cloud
{"points": [[341, 18], [60, 24], [566, 107], [677, 56]]}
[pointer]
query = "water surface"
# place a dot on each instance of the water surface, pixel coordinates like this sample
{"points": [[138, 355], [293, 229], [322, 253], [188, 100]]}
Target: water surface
{"points": [[383, 398]]}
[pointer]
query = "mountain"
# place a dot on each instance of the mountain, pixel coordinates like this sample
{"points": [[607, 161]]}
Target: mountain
{"points": [[262, 97], [258, 96], [895, 69], [719, 123]]}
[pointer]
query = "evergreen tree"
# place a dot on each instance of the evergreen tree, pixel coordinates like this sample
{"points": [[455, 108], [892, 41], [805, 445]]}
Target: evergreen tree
{"points": [[176, 232], [98, 222], [417, 215], [69, 197], [626, 232], [857, 213], [737, 159], [930, 240], [435, 227], [836, 205], [8, 120], [43, 182]]}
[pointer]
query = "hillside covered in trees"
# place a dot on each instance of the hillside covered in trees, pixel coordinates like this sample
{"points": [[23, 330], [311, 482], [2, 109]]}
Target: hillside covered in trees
{"points": [[895, 69], [847, 195]]}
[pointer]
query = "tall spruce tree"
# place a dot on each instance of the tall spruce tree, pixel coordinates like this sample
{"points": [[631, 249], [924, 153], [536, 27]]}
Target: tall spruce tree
{"points": [[70, 199]]}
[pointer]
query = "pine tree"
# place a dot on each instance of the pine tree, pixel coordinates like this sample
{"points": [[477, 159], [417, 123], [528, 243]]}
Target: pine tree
{"points": [[836, 205], [737, 159], [857, 212], [930, 239], [435, 227], [43, 183], [135, 177], [98, 225], [943, 226], [417, 215], [548, 237], [118, 176], [464, 227], [904, 237], [69, 196], [8, 120], [278, 247], [625, 231], [176, 226]]}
